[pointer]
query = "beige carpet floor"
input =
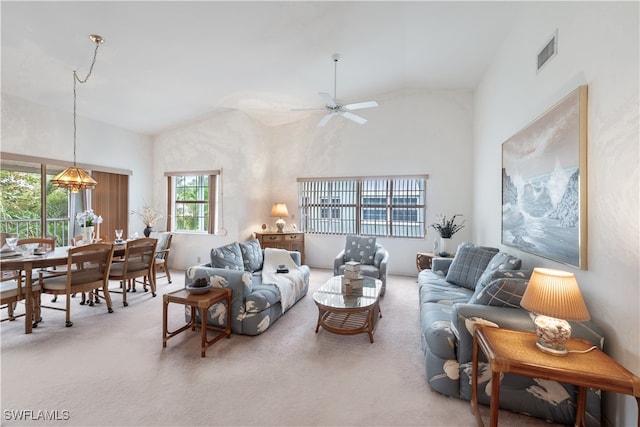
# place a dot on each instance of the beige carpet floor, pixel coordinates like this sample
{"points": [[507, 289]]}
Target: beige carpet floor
{"points": [[111, 370]]}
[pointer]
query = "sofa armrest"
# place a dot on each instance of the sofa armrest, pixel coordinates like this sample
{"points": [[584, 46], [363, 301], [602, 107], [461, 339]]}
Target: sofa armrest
{"points": [[239, 281], [441, 265], [337, 262], [296, 257]]}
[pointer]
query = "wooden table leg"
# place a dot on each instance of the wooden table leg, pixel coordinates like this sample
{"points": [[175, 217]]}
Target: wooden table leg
{"points": [[581, 407], [319, 319], [474, 383], [203, 327], [495, 398], [165, 304], [228, 331], [28, 302]]}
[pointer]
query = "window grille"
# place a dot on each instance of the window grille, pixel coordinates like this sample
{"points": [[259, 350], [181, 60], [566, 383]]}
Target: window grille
{"points": [[192, 199], [376, 206]]}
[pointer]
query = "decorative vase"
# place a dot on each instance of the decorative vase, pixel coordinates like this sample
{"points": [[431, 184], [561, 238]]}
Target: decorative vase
{"points": [[147, 231], [87, 233], [445, 245]]}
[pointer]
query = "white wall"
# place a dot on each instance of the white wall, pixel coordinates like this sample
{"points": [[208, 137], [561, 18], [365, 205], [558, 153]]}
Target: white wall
{"points": [[597, 46], [238, 146], [33, 130], [412, 132]]}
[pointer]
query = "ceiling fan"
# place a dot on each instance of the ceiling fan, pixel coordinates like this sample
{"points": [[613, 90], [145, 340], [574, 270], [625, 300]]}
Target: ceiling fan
{"points": [[332, 106]]}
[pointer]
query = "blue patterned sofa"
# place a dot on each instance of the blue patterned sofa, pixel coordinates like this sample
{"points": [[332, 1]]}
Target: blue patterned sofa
{"points": [[483, 285], [254, 305]]}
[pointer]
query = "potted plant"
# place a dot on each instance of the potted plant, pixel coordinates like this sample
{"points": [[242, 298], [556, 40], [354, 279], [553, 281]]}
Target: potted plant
{"points": [[149, 217], [446, 228]]}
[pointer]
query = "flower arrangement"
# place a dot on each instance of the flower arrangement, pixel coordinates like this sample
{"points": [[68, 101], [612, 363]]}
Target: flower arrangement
{"points": [[446, 228], [88, 218], [148, 215]]}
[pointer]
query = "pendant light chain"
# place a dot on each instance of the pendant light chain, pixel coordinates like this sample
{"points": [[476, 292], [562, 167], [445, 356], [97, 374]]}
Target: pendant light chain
{"points": [[74, 178], [76, 79]]}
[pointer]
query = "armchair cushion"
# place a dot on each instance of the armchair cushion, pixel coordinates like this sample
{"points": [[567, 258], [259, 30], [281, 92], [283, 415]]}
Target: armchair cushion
{"points": [[469, 264], [252, 255], [228, 257], [361, 249]]}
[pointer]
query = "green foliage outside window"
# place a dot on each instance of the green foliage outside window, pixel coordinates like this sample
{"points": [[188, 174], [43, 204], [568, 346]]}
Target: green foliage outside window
{"points": [[192, 203]]}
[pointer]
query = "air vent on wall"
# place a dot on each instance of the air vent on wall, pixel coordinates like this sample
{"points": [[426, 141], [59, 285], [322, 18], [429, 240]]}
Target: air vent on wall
{"points": [[548, 51]]}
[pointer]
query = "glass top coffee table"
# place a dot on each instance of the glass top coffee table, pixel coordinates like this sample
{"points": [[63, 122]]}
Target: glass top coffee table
{"points": [[348, 314]]}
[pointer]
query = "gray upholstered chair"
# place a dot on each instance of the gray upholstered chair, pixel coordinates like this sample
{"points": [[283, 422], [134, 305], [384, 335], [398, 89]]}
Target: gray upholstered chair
{"points": [[371, 255]]}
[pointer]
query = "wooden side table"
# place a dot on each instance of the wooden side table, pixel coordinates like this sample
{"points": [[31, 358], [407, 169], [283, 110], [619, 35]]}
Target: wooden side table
{"points": [[287, 241], [424, 260], [202, 301], [516, 352]]}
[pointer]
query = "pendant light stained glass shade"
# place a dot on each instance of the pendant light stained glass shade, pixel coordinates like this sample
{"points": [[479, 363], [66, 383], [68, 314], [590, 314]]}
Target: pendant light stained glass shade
{"points": [[75, 179]]}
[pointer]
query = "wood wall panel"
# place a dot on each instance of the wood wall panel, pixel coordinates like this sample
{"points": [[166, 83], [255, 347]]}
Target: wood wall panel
{"points": [[110, 199]]}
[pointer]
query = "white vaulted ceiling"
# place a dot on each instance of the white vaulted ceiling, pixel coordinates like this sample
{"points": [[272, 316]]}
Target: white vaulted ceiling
{"points": [[169, 62]]}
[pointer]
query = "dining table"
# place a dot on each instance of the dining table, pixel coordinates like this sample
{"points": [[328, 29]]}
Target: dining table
{"points": [[27, 261]]}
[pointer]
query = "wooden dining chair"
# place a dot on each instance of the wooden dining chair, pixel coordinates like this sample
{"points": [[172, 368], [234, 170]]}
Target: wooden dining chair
{"points": [[47, 243], [163, 250], [12, 282], [138, 261], [88, 269], [12, 291]]}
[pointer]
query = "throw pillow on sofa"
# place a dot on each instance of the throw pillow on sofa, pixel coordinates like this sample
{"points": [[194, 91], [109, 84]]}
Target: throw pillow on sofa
{"points": [[521, 276], [360, 249], [469, 263], [252, 255], [500, 262], [502, 293], [227, 256]]}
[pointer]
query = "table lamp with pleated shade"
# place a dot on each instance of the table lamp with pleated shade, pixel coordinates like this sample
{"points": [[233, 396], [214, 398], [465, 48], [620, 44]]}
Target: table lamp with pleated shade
{"points": [[554, 297]]}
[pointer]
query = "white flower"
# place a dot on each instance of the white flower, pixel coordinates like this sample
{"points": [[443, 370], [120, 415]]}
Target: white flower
{"points": [[88, 218]]}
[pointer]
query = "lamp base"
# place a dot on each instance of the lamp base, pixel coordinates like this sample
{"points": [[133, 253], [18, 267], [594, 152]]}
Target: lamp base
{"points": [[553, 335], [280, 225]]}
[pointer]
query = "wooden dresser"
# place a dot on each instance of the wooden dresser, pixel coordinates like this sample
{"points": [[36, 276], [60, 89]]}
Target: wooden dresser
{"points": [[288, 241]]}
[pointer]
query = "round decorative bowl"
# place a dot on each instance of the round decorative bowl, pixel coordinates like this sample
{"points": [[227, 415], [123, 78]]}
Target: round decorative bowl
{"points": [[198, 289]]}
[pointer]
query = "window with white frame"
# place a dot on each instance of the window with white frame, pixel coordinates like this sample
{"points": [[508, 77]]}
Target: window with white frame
{"points": [[377, 206], [193, 201]]}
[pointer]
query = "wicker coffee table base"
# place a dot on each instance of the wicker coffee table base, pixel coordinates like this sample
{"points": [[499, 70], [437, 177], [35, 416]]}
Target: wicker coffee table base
{"points": [[343, 321]]}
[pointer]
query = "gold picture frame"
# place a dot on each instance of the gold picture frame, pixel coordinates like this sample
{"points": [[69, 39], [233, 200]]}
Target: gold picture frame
{"points": [[544, 184]]}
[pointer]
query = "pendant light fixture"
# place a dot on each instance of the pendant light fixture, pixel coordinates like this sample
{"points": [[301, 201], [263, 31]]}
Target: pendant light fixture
{"points": [[75, 178]]}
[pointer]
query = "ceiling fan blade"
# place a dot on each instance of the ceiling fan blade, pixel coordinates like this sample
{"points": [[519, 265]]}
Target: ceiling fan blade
{"points": [[354, 117], [361, 105], [328, 100], [325, 119]]}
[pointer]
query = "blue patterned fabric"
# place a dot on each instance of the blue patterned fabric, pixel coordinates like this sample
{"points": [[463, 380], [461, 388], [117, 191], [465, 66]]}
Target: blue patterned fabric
{"points": [[252, 255], [521, 275], [500, 262], [469, 264], [254, 306], [228, 257], [501, 293], [361, 249], [447, 323]]}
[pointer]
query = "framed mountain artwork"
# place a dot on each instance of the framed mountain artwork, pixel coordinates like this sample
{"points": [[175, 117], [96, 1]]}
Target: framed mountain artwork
{"points": [[544, 184]]}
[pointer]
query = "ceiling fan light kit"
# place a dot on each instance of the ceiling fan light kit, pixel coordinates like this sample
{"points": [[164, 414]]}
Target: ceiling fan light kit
{"points": [[334, 108]]}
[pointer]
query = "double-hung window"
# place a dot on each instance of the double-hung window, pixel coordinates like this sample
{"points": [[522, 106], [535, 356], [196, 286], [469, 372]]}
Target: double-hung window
{"points": [[193, 201], [377, 206]]}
